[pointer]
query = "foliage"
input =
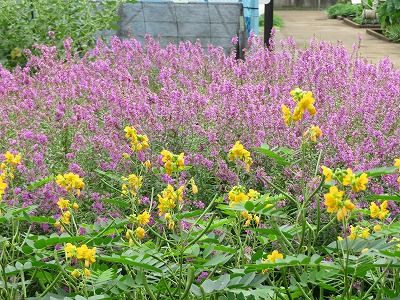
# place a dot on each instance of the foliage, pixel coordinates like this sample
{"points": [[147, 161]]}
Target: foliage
{"points": [[389, 13], [277, 21], [24, 23], [393, 32], [344, 10]]}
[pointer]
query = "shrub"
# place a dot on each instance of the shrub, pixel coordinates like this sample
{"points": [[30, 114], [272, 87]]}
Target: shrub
{"points": [[277, 21], [24, 23], [344, 10], [393, 32]]}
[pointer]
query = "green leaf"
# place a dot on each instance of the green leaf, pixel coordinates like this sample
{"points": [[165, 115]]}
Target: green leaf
{"points": [[39, 183], [130, 262], [379, 171], [264, 149], [218, 259], [382, 197]]}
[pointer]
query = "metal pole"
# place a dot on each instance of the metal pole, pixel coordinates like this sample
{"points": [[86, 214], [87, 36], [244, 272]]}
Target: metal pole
{"points": [[268, 21]]}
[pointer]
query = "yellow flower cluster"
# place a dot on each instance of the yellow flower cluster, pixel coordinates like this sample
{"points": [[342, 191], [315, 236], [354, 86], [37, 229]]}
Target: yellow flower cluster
{"points": [[71, 182], [172, 162], [170, 221], [274, 256], [138, 142], [131, 185], [249, 218], [139, 233], [238, 195], [358, 232], [379, 212], [238, 152], [328, 173], [304, 102], [358, 183], [9, 164], [195, 189], [83, 253], [65, 204], [169, 198], [3, 186], [397, 164], [313, 133], [143, 218], [334, 203]]}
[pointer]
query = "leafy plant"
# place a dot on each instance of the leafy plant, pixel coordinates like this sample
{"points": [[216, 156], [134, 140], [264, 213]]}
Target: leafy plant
{"points": [[389, 13], [24, 23], [344, 10], [393, 32]]}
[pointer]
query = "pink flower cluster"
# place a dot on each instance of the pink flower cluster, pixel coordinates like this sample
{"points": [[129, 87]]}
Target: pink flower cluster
{"points": [[62, 113]]}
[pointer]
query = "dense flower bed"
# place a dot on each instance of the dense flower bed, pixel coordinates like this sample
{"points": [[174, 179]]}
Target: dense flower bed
{"points": [[143, 173], [62, 112]]}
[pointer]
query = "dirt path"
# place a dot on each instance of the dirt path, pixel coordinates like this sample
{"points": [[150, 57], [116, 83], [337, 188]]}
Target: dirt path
{"points": [[304, 25]]}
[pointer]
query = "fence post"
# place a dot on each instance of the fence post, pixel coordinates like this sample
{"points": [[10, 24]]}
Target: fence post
{"points": [[268, 20]]}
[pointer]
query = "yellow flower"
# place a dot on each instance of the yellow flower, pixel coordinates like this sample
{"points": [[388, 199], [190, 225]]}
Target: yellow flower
{"points": [[397, 163], [66, 217], [3, 187], [86, 272], [126, 155], [253, 194], [349, 177], [315, 133], [377, 212], [257, 220], [237, 195], [167, 200], [328, 173], [305, 101], [139, 142], [140, 233], [195, 189], [75, 206], [238, 152], [333, 199], [377, 228], [70, 182], [358, 232], [147, 164], [286, 114], [353, 234], [131, 185], [172, 162], [63, 203], [349, 205], [170, 221], [143, 218], [339, 238], [129, 234], [70, 250], [365, 233], [11, 159], [360, 183], [76, 273], [341, 214], [274, 256], [86, 254], [365, 250]]}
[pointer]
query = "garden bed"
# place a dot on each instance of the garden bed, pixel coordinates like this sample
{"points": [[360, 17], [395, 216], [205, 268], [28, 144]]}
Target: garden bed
{"points": [[378, 33], [350, 22]]}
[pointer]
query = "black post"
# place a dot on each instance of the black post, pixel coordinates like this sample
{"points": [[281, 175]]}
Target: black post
{"points": [[268, 21]]}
